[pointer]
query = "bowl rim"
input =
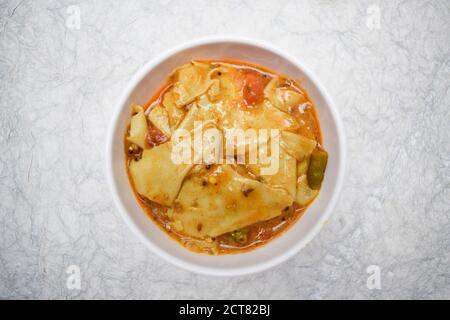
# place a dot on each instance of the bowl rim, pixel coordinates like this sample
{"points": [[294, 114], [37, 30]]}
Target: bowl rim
{"points": [[212, 271]]}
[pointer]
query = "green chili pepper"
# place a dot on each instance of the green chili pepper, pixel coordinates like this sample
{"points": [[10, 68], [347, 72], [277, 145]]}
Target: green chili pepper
{"points": [[239, 236], [316, 170]]}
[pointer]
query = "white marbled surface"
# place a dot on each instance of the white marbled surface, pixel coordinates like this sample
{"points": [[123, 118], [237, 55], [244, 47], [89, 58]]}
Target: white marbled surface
{"points": [[58, 83]]}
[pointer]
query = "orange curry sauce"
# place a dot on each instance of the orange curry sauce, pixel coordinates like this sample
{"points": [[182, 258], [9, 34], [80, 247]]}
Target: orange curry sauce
{"points": [[251, 79]]}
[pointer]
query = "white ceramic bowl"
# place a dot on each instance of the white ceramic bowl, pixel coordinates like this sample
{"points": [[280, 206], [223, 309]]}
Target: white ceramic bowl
{"points": [[148, 79]]}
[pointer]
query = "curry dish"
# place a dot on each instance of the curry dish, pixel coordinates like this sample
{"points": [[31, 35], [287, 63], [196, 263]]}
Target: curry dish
{"points": [[261, 160]]}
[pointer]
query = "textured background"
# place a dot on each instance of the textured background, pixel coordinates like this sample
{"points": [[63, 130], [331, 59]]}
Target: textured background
{"points": [[58, 85]]}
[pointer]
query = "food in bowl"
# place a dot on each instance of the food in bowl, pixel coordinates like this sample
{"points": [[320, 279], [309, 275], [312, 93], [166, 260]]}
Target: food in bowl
{"points": [[226, 156]]}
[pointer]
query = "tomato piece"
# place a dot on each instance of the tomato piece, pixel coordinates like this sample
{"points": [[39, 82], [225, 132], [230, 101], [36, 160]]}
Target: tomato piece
{"points": [[252, 84], [155, 137]]}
